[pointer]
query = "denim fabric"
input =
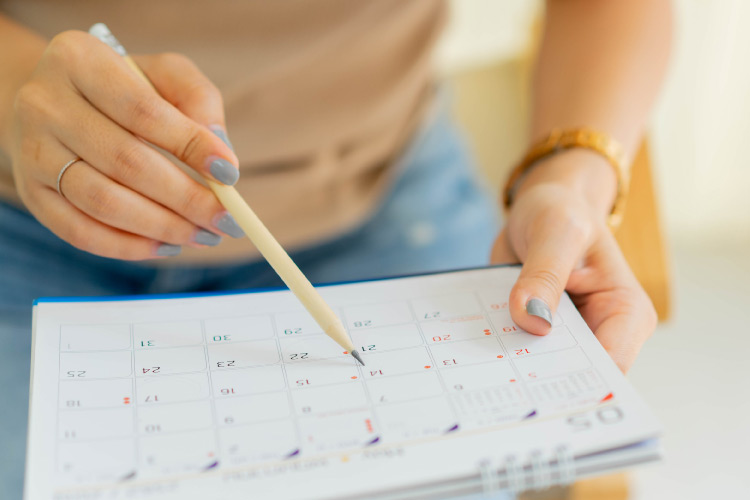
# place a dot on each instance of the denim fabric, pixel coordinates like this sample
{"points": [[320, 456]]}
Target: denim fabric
{"points": [[436, 216]]}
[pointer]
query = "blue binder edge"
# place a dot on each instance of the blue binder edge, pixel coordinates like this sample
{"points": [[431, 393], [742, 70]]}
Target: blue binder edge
{"points": [[158, 296]]}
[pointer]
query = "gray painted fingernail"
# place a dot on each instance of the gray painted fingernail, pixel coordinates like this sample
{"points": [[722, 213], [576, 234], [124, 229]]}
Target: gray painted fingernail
{"points": [[537, 307], [221, 134], [224, 172], [167, 250], [228, 225], [203, 237]]}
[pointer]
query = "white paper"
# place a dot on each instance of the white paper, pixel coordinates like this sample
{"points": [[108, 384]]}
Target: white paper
{"points": [[243, 396]]}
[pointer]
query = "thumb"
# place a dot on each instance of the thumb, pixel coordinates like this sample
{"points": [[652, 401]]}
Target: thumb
{"points": [[553, 252], [502, 252]]}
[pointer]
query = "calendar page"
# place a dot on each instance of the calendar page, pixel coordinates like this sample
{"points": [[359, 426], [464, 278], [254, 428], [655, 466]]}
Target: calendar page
{"points": [[242, 395]]}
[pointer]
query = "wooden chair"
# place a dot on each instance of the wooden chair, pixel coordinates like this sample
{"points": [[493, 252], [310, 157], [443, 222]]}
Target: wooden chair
{"points": [[641, 237]]}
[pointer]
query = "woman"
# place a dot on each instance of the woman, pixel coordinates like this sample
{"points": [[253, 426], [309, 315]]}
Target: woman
{"points": [[341, 146]]}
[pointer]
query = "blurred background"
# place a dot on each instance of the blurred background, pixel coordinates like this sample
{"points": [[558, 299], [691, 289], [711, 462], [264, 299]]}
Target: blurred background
{"points": [[693, 372]]}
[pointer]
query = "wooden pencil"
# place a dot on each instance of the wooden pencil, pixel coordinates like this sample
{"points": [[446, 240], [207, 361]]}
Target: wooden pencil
{"points": [[261, 237]]}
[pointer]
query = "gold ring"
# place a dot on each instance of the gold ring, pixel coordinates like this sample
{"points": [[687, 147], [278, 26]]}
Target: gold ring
{"points": [[62, 171]]}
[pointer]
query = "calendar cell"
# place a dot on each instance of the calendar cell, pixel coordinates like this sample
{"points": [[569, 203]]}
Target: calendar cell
{"points": [[303, 348], [467, 352], [108, 460], [387, 363], [172, 388], [153, 362], [492, 406], [89, 394], [243, 354], [404, 387], [550, 365], [477, 377], [247, 381], [159, 419], [384, 314], [338, 431], [446, 306], [461, 328], [239, 329], [568, 391], [329, 399], [95, 424], [315, 373], [167, 334], [495, 299], [245, 444], [88, 365], [504, 324], [252, 409], [94, 337], [525, 344], [414, 419], [386, 338], [295, 323], [175, 453]]}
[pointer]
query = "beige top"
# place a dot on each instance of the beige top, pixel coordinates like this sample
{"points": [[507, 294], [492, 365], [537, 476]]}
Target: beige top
{"points": [[320, 95]]}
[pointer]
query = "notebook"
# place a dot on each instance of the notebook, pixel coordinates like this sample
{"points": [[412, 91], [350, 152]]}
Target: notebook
{"points": [[241, 395]]}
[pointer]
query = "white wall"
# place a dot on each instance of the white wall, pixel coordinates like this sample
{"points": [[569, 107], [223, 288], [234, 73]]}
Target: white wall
{"points": [[702, 124]]}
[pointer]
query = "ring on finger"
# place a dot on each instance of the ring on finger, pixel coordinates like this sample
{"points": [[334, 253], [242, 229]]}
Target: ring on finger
{"points": [[62, 171]]}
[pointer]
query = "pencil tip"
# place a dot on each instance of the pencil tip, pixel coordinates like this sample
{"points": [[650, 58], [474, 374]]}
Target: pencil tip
{"points": [[358, 357]]}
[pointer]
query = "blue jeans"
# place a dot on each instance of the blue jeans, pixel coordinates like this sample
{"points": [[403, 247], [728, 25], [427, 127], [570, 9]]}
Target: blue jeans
{"points": [[435, 217]]}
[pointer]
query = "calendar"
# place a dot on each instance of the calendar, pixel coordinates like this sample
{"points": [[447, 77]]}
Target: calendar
{"points": [[241, 395]]}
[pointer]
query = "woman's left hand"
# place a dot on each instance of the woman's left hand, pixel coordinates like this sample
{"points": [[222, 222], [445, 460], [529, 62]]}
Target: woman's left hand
{"points": [[565, 245]]}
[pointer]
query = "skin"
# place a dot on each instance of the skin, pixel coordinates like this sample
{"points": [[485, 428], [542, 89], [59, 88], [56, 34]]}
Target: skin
{"points": [[81, 99], [600, 65]]}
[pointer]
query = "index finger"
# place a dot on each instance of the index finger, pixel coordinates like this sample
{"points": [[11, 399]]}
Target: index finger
{"points": [[121, 94]]}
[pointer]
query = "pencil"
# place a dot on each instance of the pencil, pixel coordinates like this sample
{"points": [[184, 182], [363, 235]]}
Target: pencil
{"points": [[261, 237]]}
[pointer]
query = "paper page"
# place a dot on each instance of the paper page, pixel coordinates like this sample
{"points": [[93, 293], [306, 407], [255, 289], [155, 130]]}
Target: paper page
{"points": [[242, 394]]}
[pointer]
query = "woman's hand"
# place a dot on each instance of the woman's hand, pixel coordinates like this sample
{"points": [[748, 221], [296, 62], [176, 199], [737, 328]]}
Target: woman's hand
{"points": [[564, 244], [124, 199]]}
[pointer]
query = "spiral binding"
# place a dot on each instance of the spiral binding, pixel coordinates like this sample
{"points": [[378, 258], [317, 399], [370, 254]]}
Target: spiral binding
{"points": [[514, 475]]}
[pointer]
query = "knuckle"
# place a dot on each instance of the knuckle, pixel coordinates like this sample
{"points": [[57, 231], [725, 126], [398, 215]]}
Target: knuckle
{"points": [[30, 101], [547, 279], [31, 151], [69, 46], [101, 202], [144, 111], [174, 59], [192, 200], [205, 91], [129, 163], [189, 145]]}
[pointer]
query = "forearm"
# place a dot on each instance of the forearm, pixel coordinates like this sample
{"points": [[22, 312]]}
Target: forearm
{"points": [[600, 65], [20, 51]]}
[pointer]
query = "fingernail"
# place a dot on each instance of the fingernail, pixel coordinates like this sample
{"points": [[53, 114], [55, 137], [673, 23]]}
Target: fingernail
{"points": [[203, 237], [227, 224], [224, 172], [538, 308], [222, 134], [167, 250]]}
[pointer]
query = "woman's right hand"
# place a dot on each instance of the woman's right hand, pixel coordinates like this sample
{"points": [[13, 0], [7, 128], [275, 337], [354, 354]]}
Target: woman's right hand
{"points": [[124, 199]]}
